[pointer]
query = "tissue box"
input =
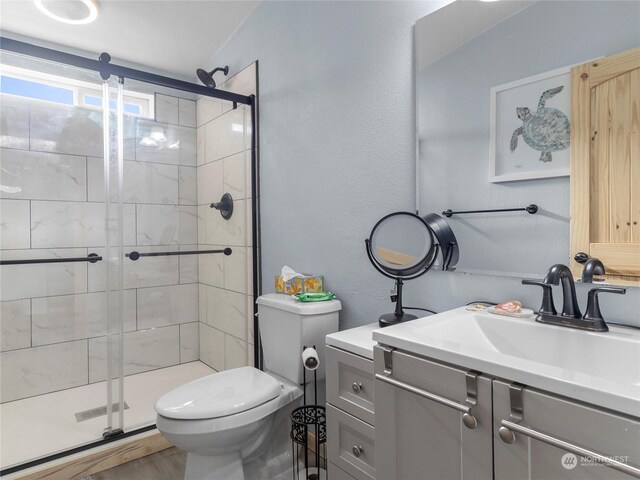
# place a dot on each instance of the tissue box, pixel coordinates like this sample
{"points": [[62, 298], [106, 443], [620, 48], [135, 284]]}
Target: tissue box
{"points": [[305, 284]]}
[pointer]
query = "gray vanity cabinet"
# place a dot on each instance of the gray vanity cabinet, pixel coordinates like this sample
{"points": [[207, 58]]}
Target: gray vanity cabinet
{"points": [[532, 456], [420, 432]]}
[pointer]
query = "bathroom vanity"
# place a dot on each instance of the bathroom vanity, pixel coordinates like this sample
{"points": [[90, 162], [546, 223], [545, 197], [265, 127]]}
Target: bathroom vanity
{"points": [[350, 404], [463, 395], [473, 395]]}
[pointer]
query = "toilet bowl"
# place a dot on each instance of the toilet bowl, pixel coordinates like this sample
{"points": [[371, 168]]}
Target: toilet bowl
{"points": [[226, 420], [235, 424]]}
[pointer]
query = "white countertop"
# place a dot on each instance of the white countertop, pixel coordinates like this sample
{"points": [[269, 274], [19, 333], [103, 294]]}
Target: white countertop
{"points": [[355, 340], [598, 368]]}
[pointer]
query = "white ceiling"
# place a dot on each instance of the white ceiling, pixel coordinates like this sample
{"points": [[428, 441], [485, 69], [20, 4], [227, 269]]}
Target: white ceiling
{"points": [[453, 25], [171, 36]]}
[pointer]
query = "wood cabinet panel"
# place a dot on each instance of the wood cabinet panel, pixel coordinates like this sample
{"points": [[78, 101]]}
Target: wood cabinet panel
{"points": [[605, 163]]}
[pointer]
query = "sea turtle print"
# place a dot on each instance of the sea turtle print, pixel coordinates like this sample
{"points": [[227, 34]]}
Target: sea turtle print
{"points": [[546, 130]]}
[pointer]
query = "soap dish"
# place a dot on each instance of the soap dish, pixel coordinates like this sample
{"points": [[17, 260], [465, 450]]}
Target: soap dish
{"points": [[523, 313]]}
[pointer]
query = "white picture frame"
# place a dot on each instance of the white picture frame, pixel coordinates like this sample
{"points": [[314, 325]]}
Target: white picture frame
{"points": [[524, 163]]}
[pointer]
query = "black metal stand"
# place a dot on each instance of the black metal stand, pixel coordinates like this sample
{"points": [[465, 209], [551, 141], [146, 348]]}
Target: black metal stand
{"points": [[532, 209], [301, 419]]}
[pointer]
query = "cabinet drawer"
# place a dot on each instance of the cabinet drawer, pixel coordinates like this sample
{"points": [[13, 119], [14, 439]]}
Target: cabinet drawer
{"points": [[336, 473], [350, 384], [350, 444]]}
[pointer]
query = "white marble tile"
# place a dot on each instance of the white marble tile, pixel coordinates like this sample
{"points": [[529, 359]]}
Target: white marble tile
{"points": [[211, 347], [227, 311], [188, 186], [76, 224], [166, 224], [249, 227], [15, 231], [251, 361], [33, 371], [177, 146], [41, 280], [14, 123], [188, 265], [234, 181], [186, 112], [235, 352], [74, 317], [250, 317], [248, 170], [235, 270], [169, 305], [143, 351], [189, 342], [224, 135], [202, 302], [166, 109], [42, 176], [207, 109], [70, 130], [200, 145], [145, 272], [144, 182], [67, 224], [231, 232], [242, 82], [15, 325], [211, 267], [202, 215], [210, 183]]}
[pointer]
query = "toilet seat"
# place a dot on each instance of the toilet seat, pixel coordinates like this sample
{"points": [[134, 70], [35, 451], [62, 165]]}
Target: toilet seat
{"points": [[219, 395]]}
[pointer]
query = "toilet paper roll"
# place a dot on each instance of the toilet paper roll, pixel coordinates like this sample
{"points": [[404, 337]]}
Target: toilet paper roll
{"points": [[310, 359]]}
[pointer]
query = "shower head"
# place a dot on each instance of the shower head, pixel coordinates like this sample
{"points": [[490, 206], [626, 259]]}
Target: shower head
{"points": [[207, 77]]}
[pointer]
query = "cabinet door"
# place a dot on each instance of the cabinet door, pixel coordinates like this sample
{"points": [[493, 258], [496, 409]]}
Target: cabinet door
{"points": [[418, 437], [612, 435], [605, 164]]}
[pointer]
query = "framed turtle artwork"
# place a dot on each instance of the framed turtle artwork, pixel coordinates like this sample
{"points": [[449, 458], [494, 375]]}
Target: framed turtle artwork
{"points": [[530, 127]]}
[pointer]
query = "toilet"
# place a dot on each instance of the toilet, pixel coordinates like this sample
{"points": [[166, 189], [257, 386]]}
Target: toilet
{"points": [[235, 424]]}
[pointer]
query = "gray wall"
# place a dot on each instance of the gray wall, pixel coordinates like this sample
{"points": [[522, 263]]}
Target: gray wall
{"points": [[453, 119], [337, 127]]}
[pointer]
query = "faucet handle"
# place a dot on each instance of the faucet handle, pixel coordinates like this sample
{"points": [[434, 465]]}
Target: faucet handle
{"points": [[593, 305], [547, 307]]}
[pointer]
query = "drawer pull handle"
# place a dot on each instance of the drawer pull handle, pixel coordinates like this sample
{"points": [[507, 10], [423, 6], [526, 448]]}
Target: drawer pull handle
{"points": [[357, 450], [356, 387], [468, 418], [509, 427]]}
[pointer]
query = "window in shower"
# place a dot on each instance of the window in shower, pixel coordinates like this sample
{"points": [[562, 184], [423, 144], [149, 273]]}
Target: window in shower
{"points": [[35, 85]]}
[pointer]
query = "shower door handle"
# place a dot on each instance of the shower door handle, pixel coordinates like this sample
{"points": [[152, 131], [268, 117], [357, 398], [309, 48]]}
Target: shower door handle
{"points": [[136, 255], [91, 258]]}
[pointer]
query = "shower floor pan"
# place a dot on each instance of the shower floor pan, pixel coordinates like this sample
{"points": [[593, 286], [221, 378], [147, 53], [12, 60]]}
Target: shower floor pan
{"points": [[46, 424]]}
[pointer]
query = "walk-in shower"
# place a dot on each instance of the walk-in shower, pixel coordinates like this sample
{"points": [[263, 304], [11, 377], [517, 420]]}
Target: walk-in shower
{"points": [[118, 280]]}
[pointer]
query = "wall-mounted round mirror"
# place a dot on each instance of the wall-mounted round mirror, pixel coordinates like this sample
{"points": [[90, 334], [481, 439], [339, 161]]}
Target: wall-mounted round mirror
{"points": [[404, 246]]}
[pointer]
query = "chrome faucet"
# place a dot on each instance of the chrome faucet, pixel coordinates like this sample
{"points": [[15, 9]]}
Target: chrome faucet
{"points": [[555, 275], [571, 315], [592, 267]]}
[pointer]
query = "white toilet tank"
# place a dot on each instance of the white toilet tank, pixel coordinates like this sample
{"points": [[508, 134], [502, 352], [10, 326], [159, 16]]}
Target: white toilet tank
{"points": [[287, 325]]}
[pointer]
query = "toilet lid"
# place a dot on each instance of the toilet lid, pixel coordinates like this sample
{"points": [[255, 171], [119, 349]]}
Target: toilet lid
{"points": [[219, 395]]}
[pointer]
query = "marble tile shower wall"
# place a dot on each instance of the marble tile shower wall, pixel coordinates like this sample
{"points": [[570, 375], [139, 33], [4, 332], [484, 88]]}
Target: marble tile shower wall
{"points": [[224, 166], [53, 319]]}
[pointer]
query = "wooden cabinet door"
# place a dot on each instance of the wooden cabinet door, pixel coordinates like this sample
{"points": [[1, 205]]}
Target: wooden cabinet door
{"points": [[421, 439], [605, 164], [613, 435]]}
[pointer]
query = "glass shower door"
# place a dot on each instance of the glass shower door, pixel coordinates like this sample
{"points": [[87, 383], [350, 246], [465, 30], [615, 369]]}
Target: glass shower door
{"points": [[60, 323]]}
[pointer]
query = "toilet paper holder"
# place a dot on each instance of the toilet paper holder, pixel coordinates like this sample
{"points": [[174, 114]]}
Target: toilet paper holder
{"points": [[306, 418]]}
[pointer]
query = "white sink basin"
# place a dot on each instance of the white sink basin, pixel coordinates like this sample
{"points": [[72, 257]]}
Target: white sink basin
{"points": [[599, 368]]}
